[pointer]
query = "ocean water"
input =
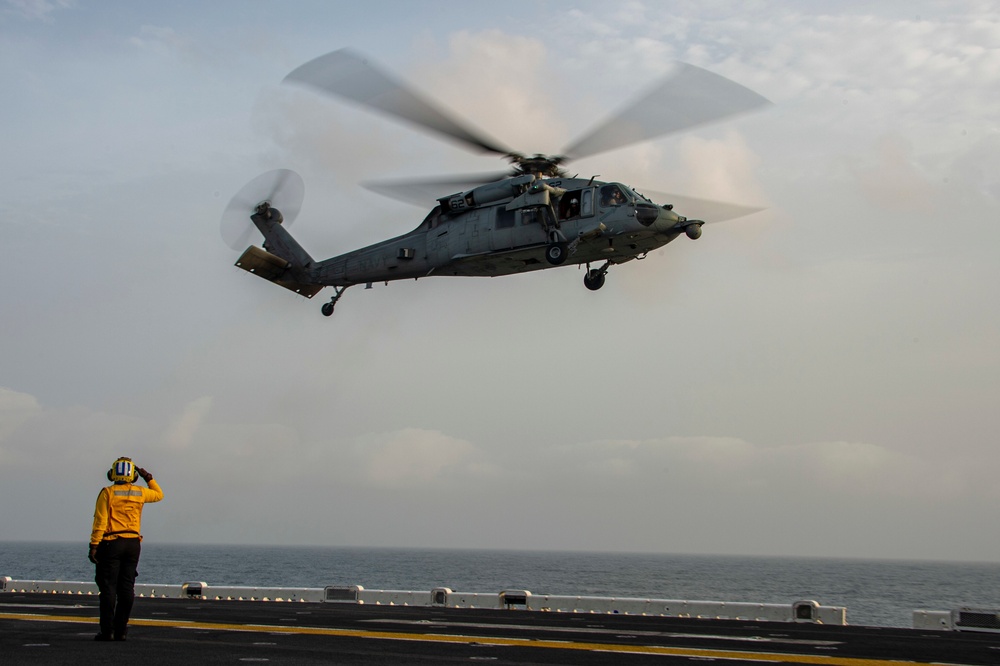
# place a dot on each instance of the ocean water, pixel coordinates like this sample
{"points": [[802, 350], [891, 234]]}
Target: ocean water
{"points": [[875, 592]]}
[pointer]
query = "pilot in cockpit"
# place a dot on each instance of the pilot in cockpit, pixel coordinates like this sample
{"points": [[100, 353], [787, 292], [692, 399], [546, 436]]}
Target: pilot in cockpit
{"points": [[611, 195]]}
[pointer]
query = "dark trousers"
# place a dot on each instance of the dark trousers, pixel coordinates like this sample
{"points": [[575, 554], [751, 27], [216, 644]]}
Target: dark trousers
{"points": [[117, 560]]}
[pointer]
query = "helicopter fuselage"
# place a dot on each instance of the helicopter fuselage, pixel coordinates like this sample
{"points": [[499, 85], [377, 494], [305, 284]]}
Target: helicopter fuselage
{"points": [[589, 221]]}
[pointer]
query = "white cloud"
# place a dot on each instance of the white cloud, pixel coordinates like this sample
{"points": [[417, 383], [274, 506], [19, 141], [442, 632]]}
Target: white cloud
{"points": [[41, 10], [501, 84], [414, 483], [895, 182], [15, 409], [183, 429], [166, 41], [732, 468], [973, 172], [412, 457], [721, 169]]}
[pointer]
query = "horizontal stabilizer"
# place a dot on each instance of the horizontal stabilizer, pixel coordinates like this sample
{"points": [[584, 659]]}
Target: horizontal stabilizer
{"points": [[274, 269]]}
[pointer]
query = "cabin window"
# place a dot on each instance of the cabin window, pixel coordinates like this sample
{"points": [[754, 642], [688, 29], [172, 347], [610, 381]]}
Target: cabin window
{"points": [[529, 215], [569, 205], [576, 203], [505, 218]]}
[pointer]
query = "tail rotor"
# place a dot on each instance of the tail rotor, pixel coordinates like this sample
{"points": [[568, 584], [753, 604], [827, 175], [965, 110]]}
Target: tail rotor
{"points": [[281, 189]]}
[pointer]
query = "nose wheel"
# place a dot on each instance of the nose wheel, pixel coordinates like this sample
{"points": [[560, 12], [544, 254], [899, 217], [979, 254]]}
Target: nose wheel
{"points": [[327, 308]]}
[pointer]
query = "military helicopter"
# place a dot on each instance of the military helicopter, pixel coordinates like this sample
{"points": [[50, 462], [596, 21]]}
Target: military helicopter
{"points": [[531, 217]]}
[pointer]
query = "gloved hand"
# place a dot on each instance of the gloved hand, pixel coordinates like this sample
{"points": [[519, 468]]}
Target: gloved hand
{"points": [[146, 476], [92, 556]]}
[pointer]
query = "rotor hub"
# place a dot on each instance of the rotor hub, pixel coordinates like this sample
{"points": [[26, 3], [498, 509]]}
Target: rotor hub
{"points": [[546, 166]]}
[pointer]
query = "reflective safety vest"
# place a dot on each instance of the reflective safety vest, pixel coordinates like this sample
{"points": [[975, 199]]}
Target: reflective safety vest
{"points": [[119, 510]]}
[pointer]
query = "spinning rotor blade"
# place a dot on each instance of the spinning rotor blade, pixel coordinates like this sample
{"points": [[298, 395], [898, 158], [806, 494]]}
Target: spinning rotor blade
{"points": [[282, 188], [423, 192], [689, 96], [707, 210], [346, 74]]}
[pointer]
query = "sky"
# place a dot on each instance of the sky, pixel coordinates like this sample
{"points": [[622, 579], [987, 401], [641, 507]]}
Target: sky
{"points": [[821, 378]]}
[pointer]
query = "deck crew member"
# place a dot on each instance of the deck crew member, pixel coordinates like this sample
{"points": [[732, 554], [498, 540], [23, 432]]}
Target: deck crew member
{"points": [[114, 543]]}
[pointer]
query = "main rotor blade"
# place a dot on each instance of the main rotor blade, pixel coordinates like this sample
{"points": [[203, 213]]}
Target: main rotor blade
{"points": [[424, 192], [689, 96], [707, 210], [349, 75]]}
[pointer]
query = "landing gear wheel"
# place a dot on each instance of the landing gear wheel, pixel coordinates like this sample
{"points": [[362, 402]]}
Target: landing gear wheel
{"points": [[327, 308], [555, 253], [593, 280]]}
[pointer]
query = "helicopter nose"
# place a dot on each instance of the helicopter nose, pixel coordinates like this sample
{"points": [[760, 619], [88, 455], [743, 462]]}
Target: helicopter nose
{"points": [[666, 219]]}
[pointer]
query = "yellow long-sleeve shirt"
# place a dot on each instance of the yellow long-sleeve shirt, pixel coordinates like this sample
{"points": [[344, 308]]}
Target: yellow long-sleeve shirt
{"points": [[119, 510]]}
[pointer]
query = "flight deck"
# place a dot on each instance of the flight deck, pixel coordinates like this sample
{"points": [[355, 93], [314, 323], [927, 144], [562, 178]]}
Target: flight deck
{"points": [[54, 627]]}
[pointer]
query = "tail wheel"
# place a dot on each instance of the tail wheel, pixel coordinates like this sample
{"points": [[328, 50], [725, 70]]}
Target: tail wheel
{"points": [[327, 308]]}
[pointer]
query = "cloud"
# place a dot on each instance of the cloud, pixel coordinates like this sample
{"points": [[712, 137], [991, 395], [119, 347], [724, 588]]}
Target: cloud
{"points": [[692, 494], [500, 83], [70, 436], [413, 457], [973, 172], [15, 410], [895, 182], [732, 468], [166, 41], [724, 169], [38, 10], [336, 141], [181, 432]]}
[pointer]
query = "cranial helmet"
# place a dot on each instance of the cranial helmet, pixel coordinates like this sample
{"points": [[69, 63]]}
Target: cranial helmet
{"points": [[123, 471]]}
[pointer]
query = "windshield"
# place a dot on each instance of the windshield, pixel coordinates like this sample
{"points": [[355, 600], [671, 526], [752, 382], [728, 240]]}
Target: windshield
{"points": [[640, 195]]}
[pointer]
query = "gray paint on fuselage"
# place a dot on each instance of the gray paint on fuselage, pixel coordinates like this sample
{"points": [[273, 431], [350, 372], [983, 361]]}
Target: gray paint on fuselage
{"points": [[470, 243]]}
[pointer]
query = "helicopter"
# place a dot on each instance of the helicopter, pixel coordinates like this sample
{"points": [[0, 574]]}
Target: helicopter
{"points": [[530, 217]]}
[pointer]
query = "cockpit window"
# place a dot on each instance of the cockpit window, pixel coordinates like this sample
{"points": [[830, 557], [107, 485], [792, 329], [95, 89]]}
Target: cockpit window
{"points": [[641, 196], [612, 195]]}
